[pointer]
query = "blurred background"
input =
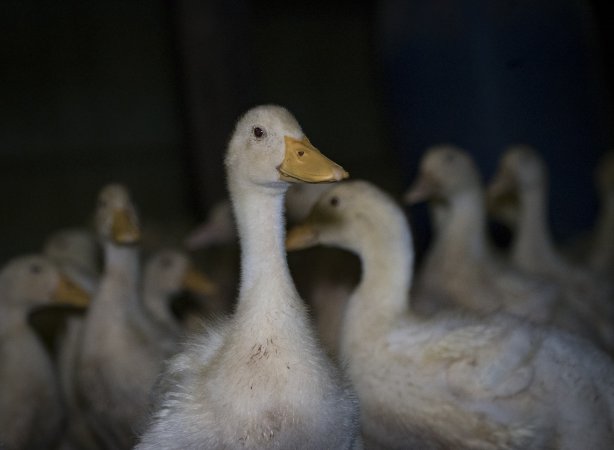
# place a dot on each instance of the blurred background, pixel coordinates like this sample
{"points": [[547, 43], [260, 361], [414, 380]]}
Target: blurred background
{"points": [[147, 93]]}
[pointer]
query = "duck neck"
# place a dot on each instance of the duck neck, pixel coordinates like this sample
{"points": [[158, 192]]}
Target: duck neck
{"points": [[381, 297], [533, 249], [264, 270], [121, 273], [463, 233]]}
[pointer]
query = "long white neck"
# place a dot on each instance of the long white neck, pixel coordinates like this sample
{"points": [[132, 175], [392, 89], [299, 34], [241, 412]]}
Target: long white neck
{"points": [[381, 297], [603, 244], [533, 249], [463, 234], [264, 270], [121, 274]]}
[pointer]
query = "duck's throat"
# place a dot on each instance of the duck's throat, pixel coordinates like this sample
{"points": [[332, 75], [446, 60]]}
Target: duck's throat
{"points": [[463, 234], [121, 277], [533, 248], [260, 222]]}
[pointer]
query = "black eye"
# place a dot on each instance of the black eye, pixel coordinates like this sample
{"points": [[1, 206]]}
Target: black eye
{"points": [[334, 201], [35, 268], [258, 132]]}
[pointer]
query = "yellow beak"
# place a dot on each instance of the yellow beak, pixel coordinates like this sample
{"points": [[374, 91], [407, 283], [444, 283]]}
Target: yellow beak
{"points": [[70, 294], [301, 237], [125, 228], [304, 162], [199, 283]]}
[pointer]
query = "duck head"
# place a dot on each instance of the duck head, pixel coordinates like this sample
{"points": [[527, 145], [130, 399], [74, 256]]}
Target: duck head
{"points": [[116, 217], [268, 147], [171, 271], [34, 281], [445, 171], [345, 216]]}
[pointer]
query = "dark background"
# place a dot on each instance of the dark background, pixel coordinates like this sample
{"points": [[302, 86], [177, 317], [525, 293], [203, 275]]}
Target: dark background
{"points": [[146, 93]]}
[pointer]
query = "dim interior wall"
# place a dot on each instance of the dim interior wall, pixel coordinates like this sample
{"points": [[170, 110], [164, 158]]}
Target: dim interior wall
{"points": [[88, 97]]}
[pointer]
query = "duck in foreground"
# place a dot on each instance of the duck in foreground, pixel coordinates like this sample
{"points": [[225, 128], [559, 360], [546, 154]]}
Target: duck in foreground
{"points": [[260, 380], [30, 406], [451, 380]]}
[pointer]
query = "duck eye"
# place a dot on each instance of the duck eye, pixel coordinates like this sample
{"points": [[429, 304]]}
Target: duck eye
{"points": [[334, 201], [258, 132]]}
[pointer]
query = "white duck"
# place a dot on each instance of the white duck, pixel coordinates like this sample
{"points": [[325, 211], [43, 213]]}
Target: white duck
{"points": [[76, 252], [167, 273], [523, 174], [451, 381], [460, 268], [260, 380], [122, 349], [31, 413]]}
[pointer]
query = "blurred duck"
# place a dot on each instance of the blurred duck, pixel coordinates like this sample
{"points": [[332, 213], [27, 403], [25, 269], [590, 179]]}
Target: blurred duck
{"points": [[522, 176], [461, 269], [76, 252], [451, 381], [122, 348], [259, 380], [31, 413], [601, 257], [167, 274]]}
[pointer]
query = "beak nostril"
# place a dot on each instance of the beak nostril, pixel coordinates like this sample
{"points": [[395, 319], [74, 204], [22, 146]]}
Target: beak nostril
{"points": [[301, 153]]}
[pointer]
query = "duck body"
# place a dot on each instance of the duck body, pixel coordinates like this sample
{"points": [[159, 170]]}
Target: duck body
{"points": [[451, 380], [31, 414], [31, 411], [258, 380]]}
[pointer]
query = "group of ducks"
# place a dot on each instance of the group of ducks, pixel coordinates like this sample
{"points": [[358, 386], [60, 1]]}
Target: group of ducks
{"points": [[483, 351]]}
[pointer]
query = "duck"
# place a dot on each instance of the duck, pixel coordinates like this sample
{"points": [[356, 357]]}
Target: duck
{"points": [[452, 379], [122, 348], [461, 269], [259, 379], [31, 411], [167, 273], [77, 254], [522, 174]]}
